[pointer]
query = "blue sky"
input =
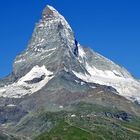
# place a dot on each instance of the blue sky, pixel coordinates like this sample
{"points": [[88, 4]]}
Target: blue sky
{"points": [[110, 27]]}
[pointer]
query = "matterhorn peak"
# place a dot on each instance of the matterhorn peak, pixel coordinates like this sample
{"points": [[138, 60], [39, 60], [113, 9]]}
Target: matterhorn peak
{"points": [[54, 46], [50, 13], [52, 37]]}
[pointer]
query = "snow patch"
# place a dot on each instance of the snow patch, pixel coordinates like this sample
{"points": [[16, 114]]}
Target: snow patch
{"points": [[22, 87], [93, 87], [93, 71], [41, 25], [2, 89], [82, 54], [52, 49], [73, 115], [100, 91], [20, 60], [66, 69], [82, 83], [127, 87], [42, 57], [11, 105], [61, 107], [35, 72], [77, 81]]}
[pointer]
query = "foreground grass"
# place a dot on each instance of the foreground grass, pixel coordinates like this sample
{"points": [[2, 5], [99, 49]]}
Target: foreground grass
{"points": [[65, 131], [84, 122], [69, 131], [89, 123]]}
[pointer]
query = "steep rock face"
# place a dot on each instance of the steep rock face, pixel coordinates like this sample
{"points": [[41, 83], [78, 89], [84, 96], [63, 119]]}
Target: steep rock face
{"points": [[52, 42]]}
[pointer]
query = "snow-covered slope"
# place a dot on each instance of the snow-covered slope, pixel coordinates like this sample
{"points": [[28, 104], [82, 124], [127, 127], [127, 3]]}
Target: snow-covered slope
{"points": [[33, 81], [108, 73]]}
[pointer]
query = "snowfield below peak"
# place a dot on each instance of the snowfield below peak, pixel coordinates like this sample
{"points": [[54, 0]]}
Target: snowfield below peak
{"points": [[32, 82], [127, 87]]}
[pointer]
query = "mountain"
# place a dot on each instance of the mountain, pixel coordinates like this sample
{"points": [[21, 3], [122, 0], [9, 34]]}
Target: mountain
{"points": [[58, 83]]}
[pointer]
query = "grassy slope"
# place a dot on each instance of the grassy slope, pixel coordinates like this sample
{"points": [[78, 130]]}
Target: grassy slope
{"points": [[95, 127], [64, 131]]}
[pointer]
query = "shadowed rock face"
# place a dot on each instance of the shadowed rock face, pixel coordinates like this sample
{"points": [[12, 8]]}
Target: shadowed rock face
{"points": [[11, 114], [36, 80]]}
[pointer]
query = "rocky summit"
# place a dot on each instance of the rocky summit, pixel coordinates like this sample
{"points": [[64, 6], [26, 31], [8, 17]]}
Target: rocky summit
{"points": [[61, 90]]}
